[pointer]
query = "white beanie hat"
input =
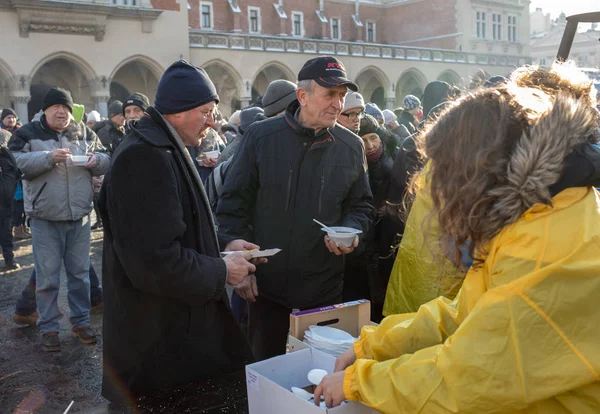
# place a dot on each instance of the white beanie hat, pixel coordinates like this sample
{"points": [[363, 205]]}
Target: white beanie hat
{"points": [[389, 116], [235, 118], [353, 100], [94, 116]]}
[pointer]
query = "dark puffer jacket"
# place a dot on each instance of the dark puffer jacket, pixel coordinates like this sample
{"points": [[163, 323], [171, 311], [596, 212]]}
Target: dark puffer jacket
{"points": [[284, 176]]}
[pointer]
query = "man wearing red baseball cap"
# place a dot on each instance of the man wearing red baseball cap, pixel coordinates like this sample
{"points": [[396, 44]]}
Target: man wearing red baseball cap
{"points": [[291, 169]]}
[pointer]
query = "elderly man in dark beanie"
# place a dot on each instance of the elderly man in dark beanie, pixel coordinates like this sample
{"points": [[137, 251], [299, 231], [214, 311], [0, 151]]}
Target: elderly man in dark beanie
{"points": [[167, 318], [9, 120], [289, 170], [134, 106], [58, 195], [112, 130]]}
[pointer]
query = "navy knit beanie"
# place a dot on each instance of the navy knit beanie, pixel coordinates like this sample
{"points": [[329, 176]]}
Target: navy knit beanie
{"points": [[58, 96], [183, 87]]}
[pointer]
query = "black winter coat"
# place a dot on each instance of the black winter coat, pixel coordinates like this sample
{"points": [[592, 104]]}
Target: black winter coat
{"points": [[109, 135], [282, 177], [167, 318], [9, 177]]}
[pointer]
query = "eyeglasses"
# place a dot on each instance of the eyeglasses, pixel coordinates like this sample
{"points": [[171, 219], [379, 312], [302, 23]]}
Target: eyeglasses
{"points": [[353, 116]]}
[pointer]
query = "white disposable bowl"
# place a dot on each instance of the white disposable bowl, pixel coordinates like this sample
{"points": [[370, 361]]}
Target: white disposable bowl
{"points": [[342, 236], [212, 154], [79, 160]]}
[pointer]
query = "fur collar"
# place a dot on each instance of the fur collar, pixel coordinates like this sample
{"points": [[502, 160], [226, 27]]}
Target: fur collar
{"points": [[537, 161]]}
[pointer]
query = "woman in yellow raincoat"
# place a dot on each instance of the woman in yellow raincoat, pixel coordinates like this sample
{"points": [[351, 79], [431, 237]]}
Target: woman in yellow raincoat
{"points": [[522, 335]]}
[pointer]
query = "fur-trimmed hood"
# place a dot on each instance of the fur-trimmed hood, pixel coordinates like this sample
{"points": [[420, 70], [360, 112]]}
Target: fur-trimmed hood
{"points": [[538, 159]]}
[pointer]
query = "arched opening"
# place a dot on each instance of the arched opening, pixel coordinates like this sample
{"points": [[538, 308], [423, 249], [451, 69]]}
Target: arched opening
{"points": [[451, 77], [6, 84], [118, 92], [226, 80], [372, 84], [411, 82], [134, 75], [267, 74], [63, 73]]}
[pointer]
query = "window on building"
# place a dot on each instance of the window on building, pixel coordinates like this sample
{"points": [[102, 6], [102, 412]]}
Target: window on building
{"points": [[481, 25], [206, 15], [297, 23], [125, 2], [254, 19], [371, 32], [336, 33], [497, 26], [542, 62], [512, 28]]}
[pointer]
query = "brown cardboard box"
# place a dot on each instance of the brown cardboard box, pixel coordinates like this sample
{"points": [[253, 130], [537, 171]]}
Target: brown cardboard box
{"points": [[349, 317]]}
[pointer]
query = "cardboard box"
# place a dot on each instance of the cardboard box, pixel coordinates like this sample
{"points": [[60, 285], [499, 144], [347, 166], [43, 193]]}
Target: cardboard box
{"points": [[349, 317], [270, 382]]}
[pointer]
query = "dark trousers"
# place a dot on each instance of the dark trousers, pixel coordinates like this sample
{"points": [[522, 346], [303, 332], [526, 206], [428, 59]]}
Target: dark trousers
{"points": [[27, 304], [19, 213], [6, 235], [97, 210], [239, 307], [268, 326]]}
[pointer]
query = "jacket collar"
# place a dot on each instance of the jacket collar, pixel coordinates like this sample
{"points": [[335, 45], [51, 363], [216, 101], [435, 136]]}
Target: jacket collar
{"points": [[308, 133], [153, 118]]}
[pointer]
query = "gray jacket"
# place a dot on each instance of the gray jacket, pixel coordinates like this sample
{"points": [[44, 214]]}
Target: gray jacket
{"points": [[57, 192]]}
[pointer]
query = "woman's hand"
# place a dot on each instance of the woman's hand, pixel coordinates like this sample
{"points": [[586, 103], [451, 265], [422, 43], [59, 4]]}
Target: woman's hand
{"points": [[345, 360], [332, 390]]}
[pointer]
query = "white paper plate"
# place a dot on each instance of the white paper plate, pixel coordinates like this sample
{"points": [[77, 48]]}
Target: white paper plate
{"points": [[261, 253]]}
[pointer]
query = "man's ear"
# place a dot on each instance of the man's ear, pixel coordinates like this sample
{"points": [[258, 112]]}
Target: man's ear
{"points": [[302, 96]]}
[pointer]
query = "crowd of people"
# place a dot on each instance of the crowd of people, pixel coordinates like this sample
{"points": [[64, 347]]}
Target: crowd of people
{"points": [[478, 248]]}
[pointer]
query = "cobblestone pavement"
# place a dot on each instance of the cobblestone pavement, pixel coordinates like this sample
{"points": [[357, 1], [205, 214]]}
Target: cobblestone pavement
{"points": [[32, 380]]}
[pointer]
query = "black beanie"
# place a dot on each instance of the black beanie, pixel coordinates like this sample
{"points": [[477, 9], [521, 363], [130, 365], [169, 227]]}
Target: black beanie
{"points": [[6, 112], [368, 125], [58, 96], [183, 87], [137, 99], [115, 108]]}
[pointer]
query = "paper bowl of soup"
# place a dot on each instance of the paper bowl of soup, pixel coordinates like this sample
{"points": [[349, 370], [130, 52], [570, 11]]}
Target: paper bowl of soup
{"points": [[342, 236], [79, 160]]}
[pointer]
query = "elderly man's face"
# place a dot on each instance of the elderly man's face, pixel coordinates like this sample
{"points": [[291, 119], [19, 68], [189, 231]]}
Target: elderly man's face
{"points": [[193, 125], [322, 106], [10, 121], [57, 117], [133, 113]]}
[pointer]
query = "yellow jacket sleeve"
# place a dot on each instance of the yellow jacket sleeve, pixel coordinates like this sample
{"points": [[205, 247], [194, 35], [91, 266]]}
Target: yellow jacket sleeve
{"points": [[522, 336], [406, 333]]}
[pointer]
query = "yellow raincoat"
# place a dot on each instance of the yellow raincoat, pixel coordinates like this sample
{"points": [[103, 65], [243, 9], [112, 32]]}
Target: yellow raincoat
{"points": [[417, 277], [522, 336]]}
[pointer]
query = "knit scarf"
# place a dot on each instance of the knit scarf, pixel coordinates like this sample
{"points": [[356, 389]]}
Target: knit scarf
{"points": [[374, 156]]}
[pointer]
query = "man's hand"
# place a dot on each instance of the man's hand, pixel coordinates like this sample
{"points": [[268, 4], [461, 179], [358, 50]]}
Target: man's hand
{"points": [[60, 155], [345, 360], [208, 162], [238, 267], [92, 162], [241, 245], [332, 389], [340, 250], [247, 290]]}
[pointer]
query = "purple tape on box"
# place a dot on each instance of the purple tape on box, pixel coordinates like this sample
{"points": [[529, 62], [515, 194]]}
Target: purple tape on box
{"points": [[332, 307]]}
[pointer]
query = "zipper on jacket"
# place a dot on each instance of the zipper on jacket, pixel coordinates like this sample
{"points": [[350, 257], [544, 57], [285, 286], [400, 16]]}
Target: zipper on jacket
{"points": [[289, 189], [39, 193], [321, 191]]}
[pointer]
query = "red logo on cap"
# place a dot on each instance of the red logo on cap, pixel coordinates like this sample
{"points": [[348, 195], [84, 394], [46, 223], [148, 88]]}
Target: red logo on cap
{"points": [[334, 65]]}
